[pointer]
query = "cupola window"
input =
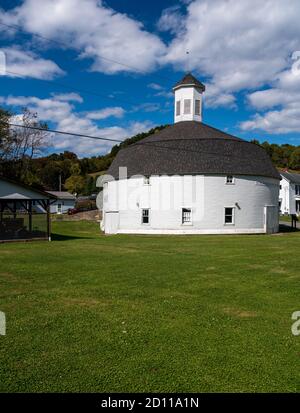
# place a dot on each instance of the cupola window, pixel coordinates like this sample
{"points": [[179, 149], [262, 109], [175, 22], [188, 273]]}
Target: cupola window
{"points": [[187, 106], [178, 108], [197, 107]]}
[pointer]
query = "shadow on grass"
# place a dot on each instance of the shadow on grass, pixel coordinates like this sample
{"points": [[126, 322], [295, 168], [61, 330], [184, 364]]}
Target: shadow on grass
{"points": [[61, 237], [287, 228]]}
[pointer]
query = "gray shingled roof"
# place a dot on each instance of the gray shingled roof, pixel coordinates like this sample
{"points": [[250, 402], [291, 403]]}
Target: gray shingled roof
{"points": [[189, 79], [294, 178], [28, 187], [193, 148], [62, 194]]}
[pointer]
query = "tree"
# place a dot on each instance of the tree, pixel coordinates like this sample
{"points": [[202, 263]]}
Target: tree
{"points": [[295, 159], [26, 142], [75, 184], [4, 133], [19, 145], [49, 175], [90, 185], [75, 169]]}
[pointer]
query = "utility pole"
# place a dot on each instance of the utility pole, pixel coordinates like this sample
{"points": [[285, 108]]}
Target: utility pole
{"points": [[59, 184]]}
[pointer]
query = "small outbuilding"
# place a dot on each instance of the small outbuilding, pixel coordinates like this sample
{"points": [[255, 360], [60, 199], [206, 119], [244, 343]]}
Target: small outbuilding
{"points": [[24, 212], [64, 201]]}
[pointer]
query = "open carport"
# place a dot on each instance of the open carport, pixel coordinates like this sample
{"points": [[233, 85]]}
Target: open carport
{"points": [[24, 212]]}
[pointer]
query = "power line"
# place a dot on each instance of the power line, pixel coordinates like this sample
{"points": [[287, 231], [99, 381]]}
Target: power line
{"points": [[59, 42], [62, 132], [158, 146]]}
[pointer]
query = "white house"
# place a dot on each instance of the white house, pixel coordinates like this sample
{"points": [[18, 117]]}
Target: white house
{"points": [[289, 194], [64, 201], [191, 178]]}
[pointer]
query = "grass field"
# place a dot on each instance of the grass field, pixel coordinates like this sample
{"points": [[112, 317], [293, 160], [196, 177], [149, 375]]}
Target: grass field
{"points": [[147, 313]]}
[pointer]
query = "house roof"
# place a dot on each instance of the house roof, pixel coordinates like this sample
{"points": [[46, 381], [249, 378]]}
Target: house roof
{"points": [[26, 187], [193, 148], [62, 194], [294, 178], [16, 197], [189, 80]]}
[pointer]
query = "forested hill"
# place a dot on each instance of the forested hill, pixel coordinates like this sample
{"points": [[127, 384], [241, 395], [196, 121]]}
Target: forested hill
{"points": [[79, 175]]}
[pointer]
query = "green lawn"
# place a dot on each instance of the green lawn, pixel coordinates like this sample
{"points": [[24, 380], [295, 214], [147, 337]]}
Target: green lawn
{"points": [[89, 312]]}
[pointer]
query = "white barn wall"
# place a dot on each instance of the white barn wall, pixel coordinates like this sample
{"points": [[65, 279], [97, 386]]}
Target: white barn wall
{"points": [[251, 193]]}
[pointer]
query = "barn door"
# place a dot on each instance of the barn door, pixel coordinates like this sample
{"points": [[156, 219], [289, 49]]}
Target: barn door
{"points": [[271, 224], [111, 222]]}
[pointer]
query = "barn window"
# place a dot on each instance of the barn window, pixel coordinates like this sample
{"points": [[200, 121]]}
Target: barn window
{"points": [[178, 108], [187, 106], [197, 107], [145, 216], [186, 215], [229, 216], [229, 180], [146, 180]]}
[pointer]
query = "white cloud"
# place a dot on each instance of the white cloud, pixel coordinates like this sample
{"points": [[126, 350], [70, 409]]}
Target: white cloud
{"points": [[99, 32], [280, 105], [237, 44], [160, 91], [60, 111], [21, 63], [171, 20], [155, 86], [116, 112], [147, 107], [67, 97], [286, 120], [285, 90]]}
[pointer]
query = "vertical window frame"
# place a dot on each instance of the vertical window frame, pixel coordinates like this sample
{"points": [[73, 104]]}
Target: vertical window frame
{"points": [[232, 215], [178, 108], [144, 216], [189, 211], [59, 208], [187, 106], [197, 103]]}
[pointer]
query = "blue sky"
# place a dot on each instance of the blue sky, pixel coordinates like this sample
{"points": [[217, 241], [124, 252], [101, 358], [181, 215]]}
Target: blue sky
{"points": [[125, 56]]}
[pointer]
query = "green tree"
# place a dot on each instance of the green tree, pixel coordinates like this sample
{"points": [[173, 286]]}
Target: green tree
{"points": [[75, 184], [295, 159], [75, 169]]}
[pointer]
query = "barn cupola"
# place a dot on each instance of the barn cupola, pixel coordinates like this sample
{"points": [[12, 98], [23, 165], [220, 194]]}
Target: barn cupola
{"points": [[188, 99]]}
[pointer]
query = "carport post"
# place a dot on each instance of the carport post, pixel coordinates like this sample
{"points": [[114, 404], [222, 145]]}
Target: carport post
{"points": [[48, 220], [30, 215]]}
